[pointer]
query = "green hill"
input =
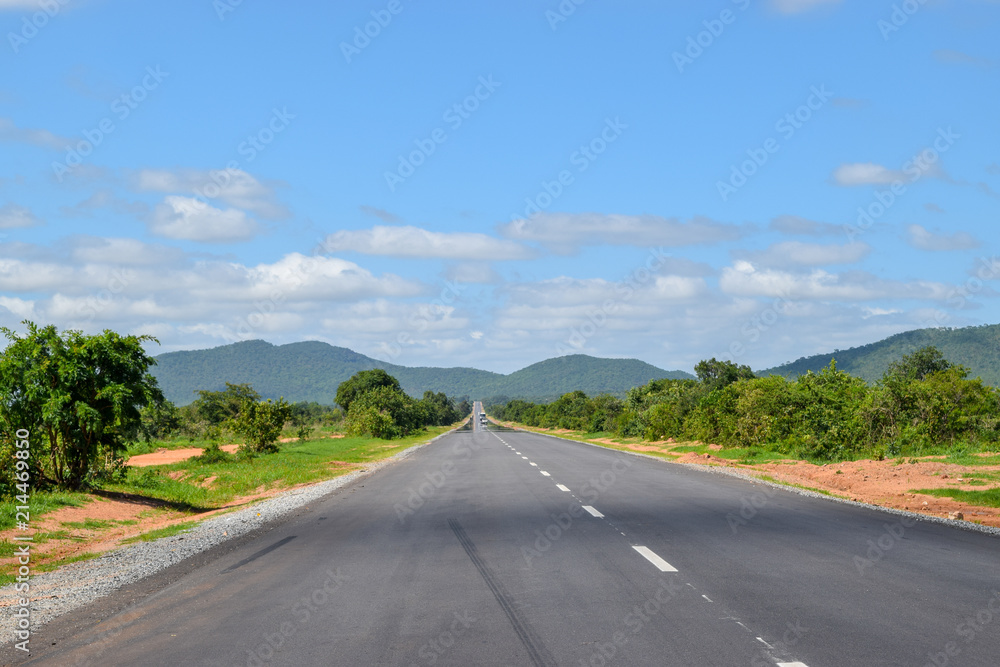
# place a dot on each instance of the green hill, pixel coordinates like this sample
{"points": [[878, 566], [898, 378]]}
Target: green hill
{"points": [[311, 371], [977, 348]]}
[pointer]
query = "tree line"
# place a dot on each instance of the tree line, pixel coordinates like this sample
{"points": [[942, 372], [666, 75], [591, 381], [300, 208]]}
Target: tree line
{"points": [[923, 403], [85, 398]]}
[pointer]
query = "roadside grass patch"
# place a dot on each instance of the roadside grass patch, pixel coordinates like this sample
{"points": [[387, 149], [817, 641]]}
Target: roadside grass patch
{"points": [[161, 532], [41, 503], [984, 498], [294, 463]]}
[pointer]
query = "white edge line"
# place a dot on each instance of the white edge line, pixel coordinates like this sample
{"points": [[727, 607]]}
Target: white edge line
{"points": [[662, 565]]}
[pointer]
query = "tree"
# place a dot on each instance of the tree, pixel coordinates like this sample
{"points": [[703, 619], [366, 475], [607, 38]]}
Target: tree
{"points": [[363, 382], [716, 374], [259, 423], [79, 395], [917, 366], [219, 407], [384, 412]]}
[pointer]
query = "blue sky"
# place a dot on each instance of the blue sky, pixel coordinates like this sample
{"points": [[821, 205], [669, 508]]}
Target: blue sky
{"points": [[495, 184]]}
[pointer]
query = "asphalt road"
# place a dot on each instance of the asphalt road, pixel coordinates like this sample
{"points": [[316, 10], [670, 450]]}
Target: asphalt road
{"points": [[509, 548]]}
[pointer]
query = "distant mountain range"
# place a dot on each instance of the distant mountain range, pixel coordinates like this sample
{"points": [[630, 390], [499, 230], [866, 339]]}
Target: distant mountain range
{"points": [[977, 348], [311, 371]]}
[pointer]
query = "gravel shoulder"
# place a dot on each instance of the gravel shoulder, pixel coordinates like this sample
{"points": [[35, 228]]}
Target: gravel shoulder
{"points": [[78, 584]]}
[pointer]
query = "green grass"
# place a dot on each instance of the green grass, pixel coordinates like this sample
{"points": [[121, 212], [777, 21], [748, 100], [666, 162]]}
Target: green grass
{"points": [[984, 498], [46, 566], [162, 532], [40, 503], [295, 463]]}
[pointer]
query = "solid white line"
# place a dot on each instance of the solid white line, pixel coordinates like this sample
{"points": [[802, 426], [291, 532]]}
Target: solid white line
{"points": [[545, 473], [562, 488], [661, 564], [593, 512]]}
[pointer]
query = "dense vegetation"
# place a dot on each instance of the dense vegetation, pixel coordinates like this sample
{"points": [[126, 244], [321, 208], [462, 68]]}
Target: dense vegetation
{"points": [[72, 401], [922, 404], [88, 401], [312, 371], [976, 348]]}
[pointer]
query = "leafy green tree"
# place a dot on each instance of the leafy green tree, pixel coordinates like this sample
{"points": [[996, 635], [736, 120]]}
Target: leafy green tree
{"points": [[384, 412], [216, 408], [259, 423], [361, 383], [160, 419], [715, 374], [440, 409], [79, 395], [917, 366]]}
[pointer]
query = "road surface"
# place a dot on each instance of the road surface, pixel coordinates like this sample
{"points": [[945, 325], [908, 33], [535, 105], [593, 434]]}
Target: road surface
{"points": [[511, 548]]}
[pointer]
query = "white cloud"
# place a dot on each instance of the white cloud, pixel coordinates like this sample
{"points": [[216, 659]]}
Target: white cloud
{"points": [[795, 253], [564, 232], [105, 199], [231, 186], [473, 272], [114, 251], [744, 279], [794, 224], [922, 239], [420, 243], [866, 173], [9, 131], [12, 215], [24, 310], [798, 6], [188, 219]]}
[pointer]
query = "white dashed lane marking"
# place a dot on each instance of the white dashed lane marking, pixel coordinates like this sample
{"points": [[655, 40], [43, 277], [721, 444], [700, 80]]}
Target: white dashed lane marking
{"points": [[562, 488], [545, 473], [592, 512], [661, 565]]}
